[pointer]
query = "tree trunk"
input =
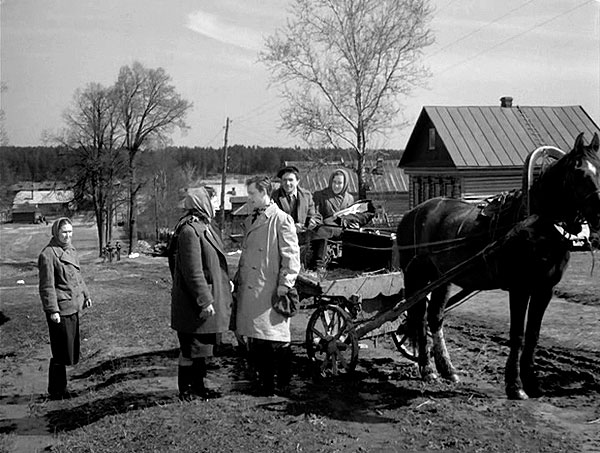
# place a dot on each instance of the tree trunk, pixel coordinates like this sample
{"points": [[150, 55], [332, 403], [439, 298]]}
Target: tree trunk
{"points": [[132, 214], [360, 170]]}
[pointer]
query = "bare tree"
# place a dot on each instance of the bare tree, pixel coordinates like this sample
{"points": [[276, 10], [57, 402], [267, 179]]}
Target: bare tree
{"points": [[150, 110], [342, 66], [92, 132]]}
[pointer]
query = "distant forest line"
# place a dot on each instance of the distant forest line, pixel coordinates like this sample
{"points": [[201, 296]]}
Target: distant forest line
{"points": [[39, 163]]}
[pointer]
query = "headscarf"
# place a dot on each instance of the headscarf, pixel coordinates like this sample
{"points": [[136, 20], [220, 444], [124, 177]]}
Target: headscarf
{"points": [[55, 241], [330, 202], [198, 201]]}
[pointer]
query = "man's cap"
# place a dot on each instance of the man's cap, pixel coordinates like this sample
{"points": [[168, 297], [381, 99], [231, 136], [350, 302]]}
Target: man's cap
{"points": [[288, 169]]}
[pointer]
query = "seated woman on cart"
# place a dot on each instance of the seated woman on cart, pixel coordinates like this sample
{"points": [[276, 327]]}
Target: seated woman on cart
{"points": [[328, 202]]}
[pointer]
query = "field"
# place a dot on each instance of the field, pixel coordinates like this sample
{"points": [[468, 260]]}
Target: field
{"points": [[126, 383]]}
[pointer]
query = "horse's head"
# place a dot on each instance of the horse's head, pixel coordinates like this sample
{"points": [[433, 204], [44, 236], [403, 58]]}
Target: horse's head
{"points": [[583, 179], [568, 191]]}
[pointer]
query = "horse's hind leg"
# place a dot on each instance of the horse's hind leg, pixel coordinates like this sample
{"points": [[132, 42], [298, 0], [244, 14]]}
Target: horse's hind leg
{"points": [[417, 321], [435, 319], [518, 307], [537, 307]]}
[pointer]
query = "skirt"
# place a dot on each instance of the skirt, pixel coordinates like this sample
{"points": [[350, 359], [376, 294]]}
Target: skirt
{"points": [[64, 339]]}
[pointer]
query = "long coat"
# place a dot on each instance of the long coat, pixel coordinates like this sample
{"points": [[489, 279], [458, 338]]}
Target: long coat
{"points": [[305, 204], [62, 289], [270, 257], [200, 278]]}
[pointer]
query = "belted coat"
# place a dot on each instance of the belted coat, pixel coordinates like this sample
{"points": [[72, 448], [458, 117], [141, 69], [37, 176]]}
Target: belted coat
{"points": [[270, 257], [200, 278]]}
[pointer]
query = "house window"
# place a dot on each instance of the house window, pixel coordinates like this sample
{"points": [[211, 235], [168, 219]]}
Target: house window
{"points": [[431, 139]]}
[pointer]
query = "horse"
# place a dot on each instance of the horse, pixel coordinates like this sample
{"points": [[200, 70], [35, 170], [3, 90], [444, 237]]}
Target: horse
{"points": [[515, 243]]}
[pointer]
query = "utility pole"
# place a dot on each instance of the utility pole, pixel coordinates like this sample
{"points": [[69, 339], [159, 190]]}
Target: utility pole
{"points": [[224, 176]]}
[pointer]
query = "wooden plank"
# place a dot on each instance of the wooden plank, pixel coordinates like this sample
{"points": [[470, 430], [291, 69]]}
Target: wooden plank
{"points": [[367, 286]]}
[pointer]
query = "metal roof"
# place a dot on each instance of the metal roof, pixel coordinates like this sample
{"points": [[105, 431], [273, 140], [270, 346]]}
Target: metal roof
{"points": [[502, 136], [315, 176]]}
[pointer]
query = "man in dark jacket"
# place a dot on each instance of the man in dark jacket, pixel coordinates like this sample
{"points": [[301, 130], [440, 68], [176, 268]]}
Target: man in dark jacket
{"points": [[296, 201], [201, 295]]}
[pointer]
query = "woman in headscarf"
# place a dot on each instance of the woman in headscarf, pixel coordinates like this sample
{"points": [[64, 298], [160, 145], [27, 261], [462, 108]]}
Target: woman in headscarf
{"points": [[63, 294], [328, 202], [201, 294]]}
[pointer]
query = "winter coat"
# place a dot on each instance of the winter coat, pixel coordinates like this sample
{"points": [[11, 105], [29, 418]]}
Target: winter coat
{"points": [[200, 278], [270, 257], [61, 286]]}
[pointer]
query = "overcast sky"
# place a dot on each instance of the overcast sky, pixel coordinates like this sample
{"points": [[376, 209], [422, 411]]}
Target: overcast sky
{"points": [[540, 52]]}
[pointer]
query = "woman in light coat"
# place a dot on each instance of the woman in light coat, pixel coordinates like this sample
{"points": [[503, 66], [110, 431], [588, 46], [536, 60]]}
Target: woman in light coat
{"points": [[268, 267]]}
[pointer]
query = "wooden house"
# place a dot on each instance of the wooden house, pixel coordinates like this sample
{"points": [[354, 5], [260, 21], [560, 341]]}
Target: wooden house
{"points": [[475, 152], [30, 205]]}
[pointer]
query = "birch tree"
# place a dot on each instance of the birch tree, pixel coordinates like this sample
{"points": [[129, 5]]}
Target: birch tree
{"points": [[343, 67]]}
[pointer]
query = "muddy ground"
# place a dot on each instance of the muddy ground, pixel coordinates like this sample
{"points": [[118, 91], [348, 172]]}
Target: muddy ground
{"points": [[126, 383]]}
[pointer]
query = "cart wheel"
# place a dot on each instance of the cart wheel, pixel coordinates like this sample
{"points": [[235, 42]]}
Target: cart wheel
{"points": [[331, 341], [402, 341]]}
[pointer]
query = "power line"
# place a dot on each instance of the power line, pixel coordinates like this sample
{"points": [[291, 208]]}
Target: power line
{"points": [[468, 35], [514, 37]]}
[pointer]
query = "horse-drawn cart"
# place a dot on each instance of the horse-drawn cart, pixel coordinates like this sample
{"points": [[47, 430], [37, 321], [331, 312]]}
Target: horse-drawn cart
{"points": [[351, 306]]}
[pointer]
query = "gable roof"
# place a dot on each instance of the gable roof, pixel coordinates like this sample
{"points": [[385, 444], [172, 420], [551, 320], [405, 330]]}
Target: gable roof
{"points": [[500, 136], [41, 197], [315, 176]]}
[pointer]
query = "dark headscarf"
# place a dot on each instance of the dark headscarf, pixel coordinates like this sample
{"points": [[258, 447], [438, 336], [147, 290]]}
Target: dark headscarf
{"points": [[55, 241]]}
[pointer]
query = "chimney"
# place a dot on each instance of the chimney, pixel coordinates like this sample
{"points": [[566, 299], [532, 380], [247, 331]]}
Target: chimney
{"points": [[506, 101]]}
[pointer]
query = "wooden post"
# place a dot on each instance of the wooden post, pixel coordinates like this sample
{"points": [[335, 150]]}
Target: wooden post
{"points": [[224, 177]]}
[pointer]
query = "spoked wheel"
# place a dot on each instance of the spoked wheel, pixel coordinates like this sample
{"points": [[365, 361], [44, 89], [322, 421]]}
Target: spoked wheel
{"points": [[402, 341], [331, 341]]}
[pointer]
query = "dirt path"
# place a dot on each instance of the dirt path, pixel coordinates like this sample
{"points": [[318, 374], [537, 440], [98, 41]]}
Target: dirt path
{"points": [[478, 347], [128, 376]]}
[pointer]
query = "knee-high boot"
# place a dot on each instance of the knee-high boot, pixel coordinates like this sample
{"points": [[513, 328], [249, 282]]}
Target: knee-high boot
{"points": [[198, 385], [184, 381], [57, 380], [266, 368], [284, 368]]}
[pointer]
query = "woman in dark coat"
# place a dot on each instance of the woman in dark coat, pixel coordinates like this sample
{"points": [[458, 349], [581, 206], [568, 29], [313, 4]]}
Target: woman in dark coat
{"points": [[63, 294], [201, 294], [328, 202]]}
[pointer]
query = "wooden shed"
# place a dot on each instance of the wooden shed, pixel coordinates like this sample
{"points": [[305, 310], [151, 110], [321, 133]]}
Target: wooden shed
{"points": [[475, 152]]}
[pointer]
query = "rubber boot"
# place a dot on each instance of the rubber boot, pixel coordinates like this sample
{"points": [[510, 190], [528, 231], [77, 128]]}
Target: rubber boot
{"points": [[57, 380], [185, 375], [198, 386]]}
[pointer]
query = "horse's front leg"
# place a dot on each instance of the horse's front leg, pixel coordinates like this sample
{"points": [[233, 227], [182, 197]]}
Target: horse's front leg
{"points": [[540, 299], [435, 320], [518, 307]]}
